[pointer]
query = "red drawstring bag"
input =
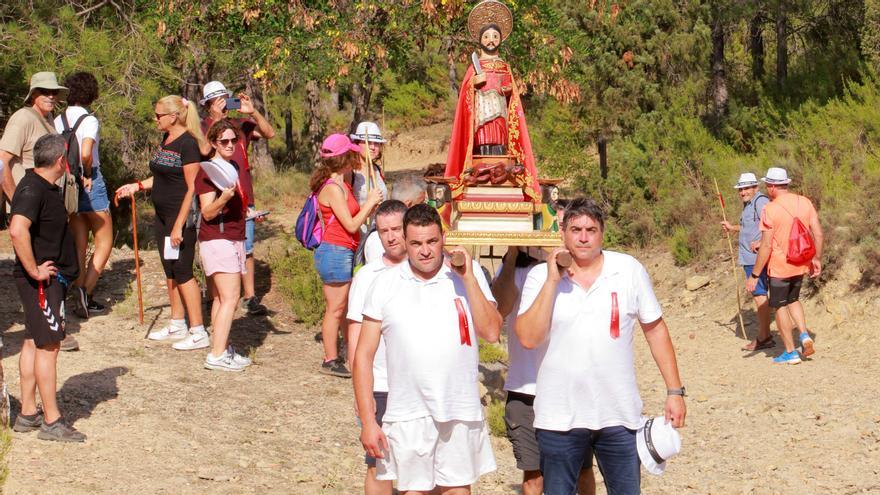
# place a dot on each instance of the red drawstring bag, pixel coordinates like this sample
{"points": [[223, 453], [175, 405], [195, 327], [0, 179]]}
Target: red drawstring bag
{"points": [[801, 248]]}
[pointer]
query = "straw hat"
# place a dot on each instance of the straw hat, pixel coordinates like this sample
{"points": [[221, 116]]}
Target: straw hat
{"points": [[490, 12], [212, 90], [368, 130], [776, 176], [657, 441], [46, 80], [747, 179]]}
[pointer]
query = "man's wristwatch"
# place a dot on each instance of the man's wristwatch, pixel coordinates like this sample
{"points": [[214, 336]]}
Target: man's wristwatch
{"points": [[753, 275], [676, 391]]}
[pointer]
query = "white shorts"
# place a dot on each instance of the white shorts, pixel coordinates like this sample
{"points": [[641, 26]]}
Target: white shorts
{"points": [[424, 453]]}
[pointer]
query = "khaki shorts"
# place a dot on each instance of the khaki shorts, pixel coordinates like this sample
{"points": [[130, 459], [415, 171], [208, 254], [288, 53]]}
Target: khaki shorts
{"points": [[424, 453]]}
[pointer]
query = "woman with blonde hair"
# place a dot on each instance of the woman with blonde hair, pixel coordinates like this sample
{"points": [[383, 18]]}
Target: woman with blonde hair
{"points": [[174, 166], [342, 217]]}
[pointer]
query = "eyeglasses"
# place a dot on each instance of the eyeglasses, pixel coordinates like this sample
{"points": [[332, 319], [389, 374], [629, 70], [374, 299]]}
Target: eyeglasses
{"points": [[48, 92], [160, 115], [227, 142]]}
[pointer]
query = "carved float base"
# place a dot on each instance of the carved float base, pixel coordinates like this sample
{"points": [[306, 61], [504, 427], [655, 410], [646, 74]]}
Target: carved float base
{"points": [[534, 238]]}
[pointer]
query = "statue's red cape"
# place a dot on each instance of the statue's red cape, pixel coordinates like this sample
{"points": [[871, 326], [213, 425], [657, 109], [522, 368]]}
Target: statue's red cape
{"points": [[461, 144]]}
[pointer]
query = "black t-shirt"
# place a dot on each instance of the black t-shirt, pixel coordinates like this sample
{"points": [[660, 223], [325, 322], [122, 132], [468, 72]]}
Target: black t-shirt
{"points": [[169, 184], [40, 201], [231, 216]]}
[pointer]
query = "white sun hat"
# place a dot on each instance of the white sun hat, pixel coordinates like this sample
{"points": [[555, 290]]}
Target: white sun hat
{"points": [[212, 90], [747, 179], [776, 176], [368, 130], [222, 173], [657, 442]]}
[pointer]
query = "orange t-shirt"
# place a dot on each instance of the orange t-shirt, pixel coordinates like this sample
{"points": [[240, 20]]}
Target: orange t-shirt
{"points": [[777, 217]]}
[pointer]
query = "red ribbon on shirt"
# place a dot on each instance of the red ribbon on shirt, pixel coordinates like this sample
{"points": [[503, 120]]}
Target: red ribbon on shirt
{"points": [[244, 198], [463, 327], [615, 317]]}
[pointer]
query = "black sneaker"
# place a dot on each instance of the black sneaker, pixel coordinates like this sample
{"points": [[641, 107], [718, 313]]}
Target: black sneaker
{"points": [[335, 367], [253, 307], [24, 424], [95, 308], [81, 303], [60, 432]]}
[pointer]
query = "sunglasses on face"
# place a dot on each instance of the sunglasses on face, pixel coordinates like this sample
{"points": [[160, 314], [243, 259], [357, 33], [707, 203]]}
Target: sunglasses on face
{"points": [[160, 115], [48, 92], [227, 142]]}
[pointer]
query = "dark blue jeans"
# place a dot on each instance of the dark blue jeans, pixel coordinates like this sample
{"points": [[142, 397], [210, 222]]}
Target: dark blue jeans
{"points": [[563, 454]]}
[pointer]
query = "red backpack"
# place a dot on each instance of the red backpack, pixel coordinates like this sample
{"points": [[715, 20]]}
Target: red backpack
{"points": [[801, 248]]}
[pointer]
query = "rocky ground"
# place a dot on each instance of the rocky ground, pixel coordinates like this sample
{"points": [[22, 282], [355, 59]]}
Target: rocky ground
{"points": [[157, 422]]}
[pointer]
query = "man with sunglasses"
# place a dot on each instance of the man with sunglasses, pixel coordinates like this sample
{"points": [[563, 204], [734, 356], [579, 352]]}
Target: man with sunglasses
{"points": [[27, 125], [254, 126]]}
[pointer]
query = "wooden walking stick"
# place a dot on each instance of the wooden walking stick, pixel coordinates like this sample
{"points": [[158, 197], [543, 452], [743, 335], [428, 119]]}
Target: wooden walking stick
{"points": [[137, 258], [739, 308]]}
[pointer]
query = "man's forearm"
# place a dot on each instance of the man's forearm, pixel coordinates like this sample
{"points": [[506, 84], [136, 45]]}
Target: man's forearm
{"points": [[504, 289], [486, 317], [532, 326], [263, 125], [21, 243], [8, 182], [664, 354], [362, 376]]}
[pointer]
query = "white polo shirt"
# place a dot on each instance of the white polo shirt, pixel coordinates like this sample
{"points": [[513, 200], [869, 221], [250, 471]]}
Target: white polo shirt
{"points": [[373, 249], [586, 378], [357, 296], [430, 371], [522, 369]]}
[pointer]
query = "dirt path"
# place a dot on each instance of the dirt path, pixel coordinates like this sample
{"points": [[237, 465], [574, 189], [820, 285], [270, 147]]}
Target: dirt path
{"points": [[159, 423]]}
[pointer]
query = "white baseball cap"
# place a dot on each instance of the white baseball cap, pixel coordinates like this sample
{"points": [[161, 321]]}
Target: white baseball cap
{"points": [[368, 131], [747, 179], [657, 442], [776, 176], [212, 90]]}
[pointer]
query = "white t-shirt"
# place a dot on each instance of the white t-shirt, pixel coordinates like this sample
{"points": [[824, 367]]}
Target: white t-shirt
{"points": [[523, 368], [360, 185], [430, 371], [586, 378], [373, 249], [88, 128], [357, 296]]}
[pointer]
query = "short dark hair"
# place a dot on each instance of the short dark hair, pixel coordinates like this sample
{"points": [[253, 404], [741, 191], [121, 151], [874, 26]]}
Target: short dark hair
{"points": [[83, 88], [421, 215], [580, 207], [47, 149], [390, 207]]}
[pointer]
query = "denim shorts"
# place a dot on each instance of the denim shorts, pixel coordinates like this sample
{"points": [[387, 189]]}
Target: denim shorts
{"points": [[763, 280], [249, 236], [334, 263], [96, 199]]}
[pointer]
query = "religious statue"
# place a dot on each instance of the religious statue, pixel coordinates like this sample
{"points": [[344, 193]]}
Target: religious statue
{"points": [[490, 141]]}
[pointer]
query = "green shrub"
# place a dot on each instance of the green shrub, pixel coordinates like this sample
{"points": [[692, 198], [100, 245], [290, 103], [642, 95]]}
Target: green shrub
{"points": [[495, 419], [679, 245], [492, 353], [299, 283]]}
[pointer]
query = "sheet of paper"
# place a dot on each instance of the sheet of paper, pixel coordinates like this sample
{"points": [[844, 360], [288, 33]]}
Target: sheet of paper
{"points": [[171, 252]]}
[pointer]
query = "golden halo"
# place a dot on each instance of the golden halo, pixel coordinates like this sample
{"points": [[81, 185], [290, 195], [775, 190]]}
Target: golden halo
{"points": [[490, 12]]}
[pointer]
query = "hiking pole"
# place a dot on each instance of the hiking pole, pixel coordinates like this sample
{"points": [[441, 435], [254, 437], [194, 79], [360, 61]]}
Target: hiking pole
{"points": [[739, 308], [137, 258], [371, 175]]}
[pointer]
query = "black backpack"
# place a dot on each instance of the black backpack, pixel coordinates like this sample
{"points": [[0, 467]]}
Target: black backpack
{"points": [[74, 158]]}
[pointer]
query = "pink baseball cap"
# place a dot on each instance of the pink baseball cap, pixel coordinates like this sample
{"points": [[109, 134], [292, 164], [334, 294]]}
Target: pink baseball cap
{"points": [[337, 144]]}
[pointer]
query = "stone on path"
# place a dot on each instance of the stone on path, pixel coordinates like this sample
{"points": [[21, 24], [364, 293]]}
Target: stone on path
{"points": [[696, 282]]}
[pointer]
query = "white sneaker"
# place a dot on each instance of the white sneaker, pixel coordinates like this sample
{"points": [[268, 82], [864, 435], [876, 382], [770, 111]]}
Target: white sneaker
{"points": [[170, 332], [195, 340], [225, 362], [238, 358]]}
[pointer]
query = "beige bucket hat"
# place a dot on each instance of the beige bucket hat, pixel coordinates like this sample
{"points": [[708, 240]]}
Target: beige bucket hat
{"points": [[46, 80]]}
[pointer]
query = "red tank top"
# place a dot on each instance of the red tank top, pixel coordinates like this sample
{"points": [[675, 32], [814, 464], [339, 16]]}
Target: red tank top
{"points": [[334, 232]]}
